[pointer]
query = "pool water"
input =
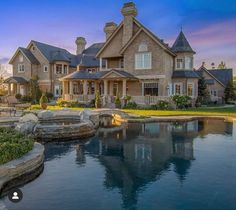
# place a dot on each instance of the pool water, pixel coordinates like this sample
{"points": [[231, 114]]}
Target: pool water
{"points": [[159, 166]]}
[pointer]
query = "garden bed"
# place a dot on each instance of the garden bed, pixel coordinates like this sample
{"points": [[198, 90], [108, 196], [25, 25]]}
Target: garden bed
{"points": [[13, 144]]}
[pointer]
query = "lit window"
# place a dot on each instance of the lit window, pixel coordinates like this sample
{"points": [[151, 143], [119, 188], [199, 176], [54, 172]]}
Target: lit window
{"points": [[45, 68], [190, 90], [21, 68], [188, 63], [178, 89], [179, 64], [21, 58], [151, 89], [143, 61], [142, 47], [58, 69], [65, 69]]}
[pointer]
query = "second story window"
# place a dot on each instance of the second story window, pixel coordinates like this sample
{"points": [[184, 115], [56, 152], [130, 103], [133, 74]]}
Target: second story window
{"points": [[58, 69], [122, 63], [179, 64], [143, 60], [188, 63], [21, 68], [45, 68], [65, 69]]}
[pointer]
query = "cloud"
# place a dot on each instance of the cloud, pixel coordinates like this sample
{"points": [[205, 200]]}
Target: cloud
{"points": [[4, 60]]}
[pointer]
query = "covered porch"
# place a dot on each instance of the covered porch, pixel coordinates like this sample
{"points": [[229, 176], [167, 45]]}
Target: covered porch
{"points": [[17, 85]]}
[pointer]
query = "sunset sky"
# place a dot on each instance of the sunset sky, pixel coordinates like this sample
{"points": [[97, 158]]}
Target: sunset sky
{"points": [[210, 25]]}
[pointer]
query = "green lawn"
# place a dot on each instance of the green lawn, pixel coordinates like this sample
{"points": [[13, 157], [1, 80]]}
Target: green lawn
{"points": [[203, 111], [206, 111]]}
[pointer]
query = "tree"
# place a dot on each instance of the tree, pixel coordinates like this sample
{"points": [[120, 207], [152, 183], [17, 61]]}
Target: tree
{"points": [[229, 92], [35, 92], [203, 94], [3, 89]]}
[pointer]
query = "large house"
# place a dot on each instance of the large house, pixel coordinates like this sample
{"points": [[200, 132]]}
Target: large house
{"points": [[133, 61]]}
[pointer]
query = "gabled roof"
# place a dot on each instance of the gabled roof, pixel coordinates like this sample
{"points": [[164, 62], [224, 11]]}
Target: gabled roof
{"points": [[222, 76], [52, 54], [15, 79], [84, 74], [185, 74], [27, 53], [181, 44]]}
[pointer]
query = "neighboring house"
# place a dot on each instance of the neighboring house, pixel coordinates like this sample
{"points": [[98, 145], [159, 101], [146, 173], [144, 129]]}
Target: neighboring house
{"points": [[138, 64], [49, 64], [216, 80]]}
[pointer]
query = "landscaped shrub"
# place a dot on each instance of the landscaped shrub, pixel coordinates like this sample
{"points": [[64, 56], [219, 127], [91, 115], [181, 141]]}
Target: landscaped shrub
{"points": [[130, 105], [98, 100], [49, 96], [163, 105], [43, 101], [181, 101], [26, 99], [70, 104], [18, 96], [13, 144], [118, 102]]}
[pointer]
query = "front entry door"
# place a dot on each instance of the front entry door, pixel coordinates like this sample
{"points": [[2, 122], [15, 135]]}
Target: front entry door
{"points": [[115, 89]]}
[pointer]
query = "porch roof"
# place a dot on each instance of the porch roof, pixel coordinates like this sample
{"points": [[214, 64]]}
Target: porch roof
{"points": [[84, 74], [15, 79], [185, 74]]}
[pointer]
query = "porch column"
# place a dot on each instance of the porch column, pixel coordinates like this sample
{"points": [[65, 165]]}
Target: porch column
{"points": [[105, 87], [85, 87], [63, 88], [142, 88], [124, 87], [9, 88], [90, 88], [95, 87], [17, 88], [71, 87]]}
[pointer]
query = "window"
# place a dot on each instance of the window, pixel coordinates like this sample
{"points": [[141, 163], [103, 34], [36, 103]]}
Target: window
{"points": [[178, 88], [143, 61], [122, 63], [65, 69], [190, 89], [45, 68], [58, 69], [151, 89], [214, 92], [179, 64], [142, 47], [21, 59], [57, 90], [21, 68], [188, 63]]}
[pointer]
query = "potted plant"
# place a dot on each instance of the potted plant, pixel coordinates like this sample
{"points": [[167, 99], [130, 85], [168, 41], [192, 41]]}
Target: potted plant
{"points": [[43, 101]]}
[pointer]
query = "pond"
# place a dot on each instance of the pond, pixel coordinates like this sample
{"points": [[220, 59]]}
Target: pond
{"points": [[187, 166]]}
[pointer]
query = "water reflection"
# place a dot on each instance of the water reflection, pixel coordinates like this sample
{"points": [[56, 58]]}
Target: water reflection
{"points": [[139, 154]]}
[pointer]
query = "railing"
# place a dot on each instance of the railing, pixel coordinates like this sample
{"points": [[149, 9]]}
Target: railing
{"points": [[80, 98], [149, 100]]}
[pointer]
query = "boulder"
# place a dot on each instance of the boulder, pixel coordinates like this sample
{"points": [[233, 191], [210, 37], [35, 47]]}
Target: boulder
{"points": [[46, 114], [26, 127], [88, 115], [29, 118]]}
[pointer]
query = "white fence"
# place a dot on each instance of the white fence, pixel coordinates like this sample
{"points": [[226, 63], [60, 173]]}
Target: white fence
{"points": [[80, 98], [149, 100]]}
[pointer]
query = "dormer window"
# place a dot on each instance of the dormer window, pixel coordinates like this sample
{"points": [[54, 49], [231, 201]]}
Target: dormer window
{"points": [[21, 68], [21, 58], [179, 63], [142, 47]]}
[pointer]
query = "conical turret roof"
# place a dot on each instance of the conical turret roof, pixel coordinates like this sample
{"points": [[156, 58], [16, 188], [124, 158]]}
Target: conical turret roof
{"points": [[181, 44]]}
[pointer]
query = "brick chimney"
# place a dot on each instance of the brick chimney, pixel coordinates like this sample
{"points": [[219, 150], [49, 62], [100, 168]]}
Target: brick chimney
{"points": [[81, 43], [129, 12], [109, 29]]}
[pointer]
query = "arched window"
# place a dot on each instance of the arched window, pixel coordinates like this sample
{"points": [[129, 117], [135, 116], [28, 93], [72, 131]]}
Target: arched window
{"points": [[143, 47]]}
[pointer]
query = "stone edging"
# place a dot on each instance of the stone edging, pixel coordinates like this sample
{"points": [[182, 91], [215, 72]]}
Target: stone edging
{"points": [[24, 166]]}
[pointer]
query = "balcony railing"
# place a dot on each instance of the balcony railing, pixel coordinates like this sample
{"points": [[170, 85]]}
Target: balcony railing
{"points": [[80, 98]]}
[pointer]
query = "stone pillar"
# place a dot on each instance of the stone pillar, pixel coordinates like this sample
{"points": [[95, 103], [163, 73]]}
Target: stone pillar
{"points": [[124, 87], [85, 87], [71, 87], [105, 87], [17, 88]]}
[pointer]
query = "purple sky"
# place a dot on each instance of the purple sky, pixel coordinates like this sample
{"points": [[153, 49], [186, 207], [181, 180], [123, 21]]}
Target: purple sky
{"points": [[210, 25]]}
